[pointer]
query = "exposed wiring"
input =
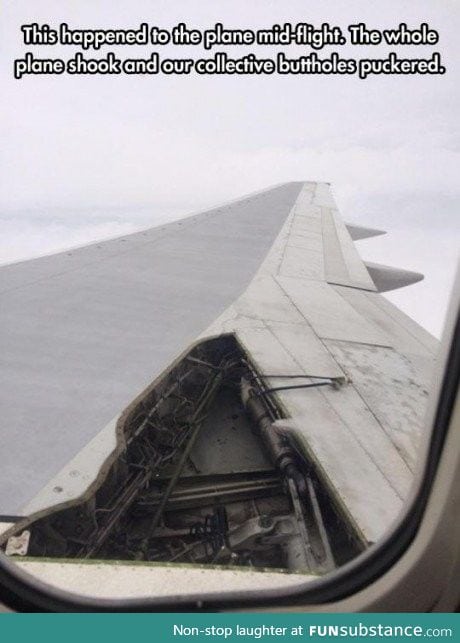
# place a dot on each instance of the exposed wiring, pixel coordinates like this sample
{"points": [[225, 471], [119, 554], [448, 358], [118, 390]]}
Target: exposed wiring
{"points": [[297, 386], [294, 377]]}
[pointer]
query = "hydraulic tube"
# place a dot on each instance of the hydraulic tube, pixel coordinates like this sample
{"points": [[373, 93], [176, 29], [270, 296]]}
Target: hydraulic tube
{"points": [[279, 450]]}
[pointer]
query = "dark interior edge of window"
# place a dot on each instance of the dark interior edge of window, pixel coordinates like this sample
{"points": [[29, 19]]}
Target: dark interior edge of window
{"points": [[24, 596]]}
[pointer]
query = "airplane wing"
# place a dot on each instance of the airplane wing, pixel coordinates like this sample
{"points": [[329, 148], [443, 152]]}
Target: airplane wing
{"points": [[84, 332]]}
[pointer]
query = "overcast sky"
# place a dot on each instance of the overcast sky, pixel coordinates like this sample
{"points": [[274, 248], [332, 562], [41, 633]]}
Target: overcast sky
{"points": [[84, 158]]}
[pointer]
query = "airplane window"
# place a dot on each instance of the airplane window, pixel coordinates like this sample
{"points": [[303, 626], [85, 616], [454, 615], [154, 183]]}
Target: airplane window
{"points": [[227, 300]]}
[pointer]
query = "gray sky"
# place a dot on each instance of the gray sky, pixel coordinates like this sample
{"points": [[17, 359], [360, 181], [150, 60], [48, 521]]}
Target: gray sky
{"points": [[84, 158]]}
